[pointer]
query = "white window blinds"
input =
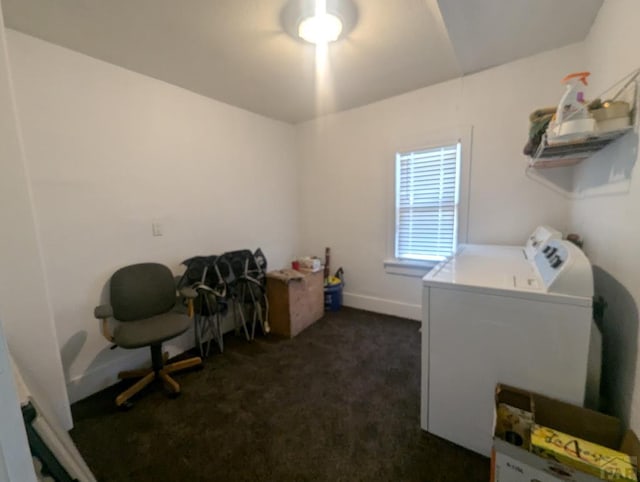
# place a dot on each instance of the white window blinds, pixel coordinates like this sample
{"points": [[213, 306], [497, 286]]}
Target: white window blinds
{"points": [[427, 184]]}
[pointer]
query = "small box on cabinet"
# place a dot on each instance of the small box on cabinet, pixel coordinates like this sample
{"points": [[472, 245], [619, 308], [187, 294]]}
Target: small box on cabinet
{"points": [[296, 300]]}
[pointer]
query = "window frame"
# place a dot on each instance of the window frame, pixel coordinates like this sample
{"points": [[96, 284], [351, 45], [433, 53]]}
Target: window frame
{"points": [[431, 140]]}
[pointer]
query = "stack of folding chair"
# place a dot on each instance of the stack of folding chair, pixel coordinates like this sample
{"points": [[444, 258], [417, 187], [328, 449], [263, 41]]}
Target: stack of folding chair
{"points": [[204, 275]]}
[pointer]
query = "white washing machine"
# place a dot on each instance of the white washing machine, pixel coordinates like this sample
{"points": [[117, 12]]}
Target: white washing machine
{"points": [[500, 317], [501, 253]]}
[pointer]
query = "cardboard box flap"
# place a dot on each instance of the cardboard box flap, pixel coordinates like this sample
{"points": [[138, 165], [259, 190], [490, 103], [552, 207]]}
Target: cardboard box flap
{"points": [[630, 445], [579, 422], [286, 275], [514, 397]]}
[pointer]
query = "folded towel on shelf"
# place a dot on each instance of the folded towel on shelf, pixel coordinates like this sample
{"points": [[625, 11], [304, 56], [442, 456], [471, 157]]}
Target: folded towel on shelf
{"points": [[539, 119]]}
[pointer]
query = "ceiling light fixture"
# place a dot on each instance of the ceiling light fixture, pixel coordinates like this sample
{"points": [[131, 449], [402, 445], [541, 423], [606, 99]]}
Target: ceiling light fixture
{"points": [[323, 28], [319, 21]]}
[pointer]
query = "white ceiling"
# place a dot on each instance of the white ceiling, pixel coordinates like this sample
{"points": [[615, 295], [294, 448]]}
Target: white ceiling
{"points": [[235, 50], [486, 33]]}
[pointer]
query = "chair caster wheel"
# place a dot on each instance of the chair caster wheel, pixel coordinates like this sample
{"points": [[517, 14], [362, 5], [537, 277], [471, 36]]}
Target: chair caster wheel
{"points": [[126, 406]]}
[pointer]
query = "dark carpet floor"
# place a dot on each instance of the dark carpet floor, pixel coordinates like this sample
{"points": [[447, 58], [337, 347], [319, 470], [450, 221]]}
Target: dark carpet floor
{"points": [[340, 402]]}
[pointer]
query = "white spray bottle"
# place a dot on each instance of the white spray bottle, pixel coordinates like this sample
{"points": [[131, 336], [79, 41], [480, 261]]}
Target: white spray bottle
{"points": [[572, 121], [573, 99]]}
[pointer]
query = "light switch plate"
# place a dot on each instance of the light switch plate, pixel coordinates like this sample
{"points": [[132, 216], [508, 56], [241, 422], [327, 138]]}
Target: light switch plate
{"points": [[156, 228]]}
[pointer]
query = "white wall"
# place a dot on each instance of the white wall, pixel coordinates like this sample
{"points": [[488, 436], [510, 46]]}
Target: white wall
{"points": [[608, 216], [111, 150], [347, 171], [24, 301], [15, 457]]}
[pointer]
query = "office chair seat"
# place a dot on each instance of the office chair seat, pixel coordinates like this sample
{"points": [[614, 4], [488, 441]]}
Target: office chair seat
{"points": [[150, 331]]}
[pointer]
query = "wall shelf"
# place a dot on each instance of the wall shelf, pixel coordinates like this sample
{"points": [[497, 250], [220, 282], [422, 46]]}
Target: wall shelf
{"points": [[570, 153]]}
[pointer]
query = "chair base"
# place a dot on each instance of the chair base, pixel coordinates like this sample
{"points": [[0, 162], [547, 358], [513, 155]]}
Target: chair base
{"points": [[159, 371]]}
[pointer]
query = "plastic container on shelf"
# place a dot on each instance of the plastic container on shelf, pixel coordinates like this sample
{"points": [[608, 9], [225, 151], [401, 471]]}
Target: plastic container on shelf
{"points": [[613, 115]]}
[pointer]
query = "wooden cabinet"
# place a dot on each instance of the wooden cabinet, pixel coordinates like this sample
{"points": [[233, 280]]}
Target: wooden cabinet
{"points": [[296, 300]]}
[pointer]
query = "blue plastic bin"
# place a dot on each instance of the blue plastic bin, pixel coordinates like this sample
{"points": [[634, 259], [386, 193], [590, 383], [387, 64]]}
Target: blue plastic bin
{"points": [[333, 297]]}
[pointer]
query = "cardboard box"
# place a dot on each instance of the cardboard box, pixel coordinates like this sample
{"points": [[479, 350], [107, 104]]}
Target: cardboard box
{"points": [[514, 425], [510, 463], [296, 300]]}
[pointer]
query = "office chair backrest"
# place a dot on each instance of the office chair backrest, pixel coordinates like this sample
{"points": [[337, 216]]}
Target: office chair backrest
{"points": [[142, 290]]}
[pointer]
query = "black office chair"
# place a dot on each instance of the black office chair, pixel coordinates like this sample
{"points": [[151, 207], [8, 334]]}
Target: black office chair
{"points": [[143, 301]]}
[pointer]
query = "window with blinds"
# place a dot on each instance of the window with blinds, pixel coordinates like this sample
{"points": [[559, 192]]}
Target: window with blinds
{"points": [[427, 187]]}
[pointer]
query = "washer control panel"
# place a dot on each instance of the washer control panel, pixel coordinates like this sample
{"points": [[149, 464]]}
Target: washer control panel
{"points": [[541, 236], [555, 255], [564, 268]]}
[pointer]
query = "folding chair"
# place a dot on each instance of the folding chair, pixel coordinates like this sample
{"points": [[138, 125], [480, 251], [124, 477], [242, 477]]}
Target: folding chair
{"points": [[203, 275], [248, 290]]}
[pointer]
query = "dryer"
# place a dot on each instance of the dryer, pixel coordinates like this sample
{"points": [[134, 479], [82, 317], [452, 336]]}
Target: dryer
{"points": [[503, 317]]}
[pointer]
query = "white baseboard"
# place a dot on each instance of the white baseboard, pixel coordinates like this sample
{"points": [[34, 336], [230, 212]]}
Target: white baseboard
{"points": [[382, 305], [105, 375]]}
